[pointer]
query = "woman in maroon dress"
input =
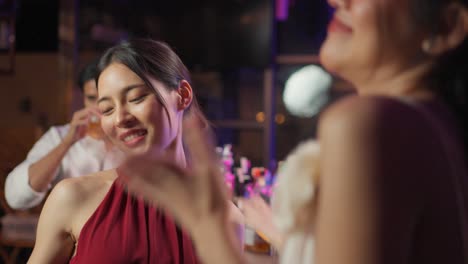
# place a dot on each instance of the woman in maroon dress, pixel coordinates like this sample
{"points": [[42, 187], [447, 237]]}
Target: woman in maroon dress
{"points": [[144, 94], [392, 164]]}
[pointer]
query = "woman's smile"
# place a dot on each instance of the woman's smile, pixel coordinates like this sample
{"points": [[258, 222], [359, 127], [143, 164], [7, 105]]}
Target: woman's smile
{"points": [[134, 137]]}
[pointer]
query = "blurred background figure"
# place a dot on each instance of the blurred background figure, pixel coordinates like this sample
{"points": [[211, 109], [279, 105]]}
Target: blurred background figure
{"points": [[66, 151]]}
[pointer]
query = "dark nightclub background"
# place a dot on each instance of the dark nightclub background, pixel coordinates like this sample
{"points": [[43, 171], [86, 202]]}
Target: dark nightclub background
{"points": [[241, 55], [227, 44]]}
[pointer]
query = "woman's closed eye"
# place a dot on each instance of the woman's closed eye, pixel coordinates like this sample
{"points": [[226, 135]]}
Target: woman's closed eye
{"points": [[138, 99], [106, 110]]}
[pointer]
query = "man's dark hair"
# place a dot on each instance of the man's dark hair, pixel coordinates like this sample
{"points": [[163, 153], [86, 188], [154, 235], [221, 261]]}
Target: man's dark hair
{"points": [[89, 72]]}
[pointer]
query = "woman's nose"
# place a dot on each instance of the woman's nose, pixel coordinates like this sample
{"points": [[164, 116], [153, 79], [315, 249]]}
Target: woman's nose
{"points": [[124, 118]]}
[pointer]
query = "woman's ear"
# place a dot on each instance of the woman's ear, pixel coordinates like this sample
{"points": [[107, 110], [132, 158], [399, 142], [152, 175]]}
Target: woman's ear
{"points": [[455, 30], [185, 95]]}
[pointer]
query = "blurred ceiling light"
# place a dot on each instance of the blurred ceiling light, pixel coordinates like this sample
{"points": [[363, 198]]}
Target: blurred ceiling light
{"points": [[260, 117], [280, 119], [306, 91]]}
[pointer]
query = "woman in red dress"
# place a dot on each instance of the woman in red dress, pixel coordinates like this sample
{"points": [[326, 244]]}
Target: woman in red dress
{"points": [[144, 93]]}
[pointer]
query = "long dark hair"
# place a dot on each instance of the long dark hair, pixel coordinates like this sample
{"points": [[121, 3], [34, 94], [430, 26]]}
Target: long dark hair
{"points": [[449, 76], [150, 58]]}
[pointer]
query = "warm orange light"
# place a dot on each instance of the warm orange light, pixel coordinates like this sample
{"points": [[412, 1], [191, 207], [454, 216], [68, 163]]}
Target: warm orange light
{"points": [[280, 119], [260, 117]]}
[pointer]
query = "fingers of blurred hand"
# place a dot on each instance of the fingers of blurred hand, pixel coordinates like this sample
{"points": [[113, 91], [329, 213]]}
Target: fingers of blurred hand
{"points": [[77, 131], [207, 177], [201, 149], [252, 203], [81, 123], [255, 210], [81, 115], [81, 130], [94, 111], [259, 203]]}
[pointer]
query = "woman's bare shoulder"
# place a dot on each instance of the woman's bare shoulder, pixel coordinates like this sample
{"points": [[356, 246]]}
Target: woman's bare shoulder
{"points": [[366, 108], [382, 136], [73, 192], [372, 115]]}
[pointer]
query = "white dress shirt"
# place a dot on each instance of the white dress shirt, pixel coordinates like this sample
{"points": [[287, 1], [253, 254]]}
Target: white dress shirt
{"points": [[86, 156]]}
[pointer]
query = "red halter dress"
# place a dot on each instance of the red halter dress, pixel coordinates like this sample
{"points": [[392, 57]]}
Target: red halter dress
{"points": [[125, 229]]}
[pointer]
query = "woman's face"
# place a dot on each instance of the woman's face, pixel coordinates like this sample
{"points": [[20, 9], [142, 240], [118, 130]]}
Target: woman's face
{"points": [[370, 39], [132, 116]]}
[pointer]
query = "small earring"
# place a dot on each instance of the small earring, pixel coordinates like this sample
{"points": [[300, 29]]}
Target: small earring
{"points": [[427, 45]]}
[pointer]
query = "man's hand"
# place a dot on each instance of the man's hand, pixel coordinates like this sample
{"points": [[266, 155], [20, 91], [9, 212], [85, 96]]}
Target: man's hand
{"points": [[79, 124]]}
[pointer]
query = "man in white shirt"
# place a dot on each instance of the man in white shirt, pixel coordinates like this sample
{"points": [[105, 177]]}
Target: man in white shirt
{"points": [[62, 152]]}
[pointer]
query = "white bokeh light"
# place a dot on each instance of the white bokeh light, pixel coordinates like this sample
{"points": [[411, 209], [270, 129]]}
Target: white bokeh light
{"points": [[306, 91]]}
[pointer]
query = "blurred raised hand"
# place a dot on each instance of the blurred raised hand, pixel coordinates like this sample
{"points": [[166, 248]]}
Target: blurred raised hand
{"points": [[196, 197], [258, 215], [188, 193]]}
